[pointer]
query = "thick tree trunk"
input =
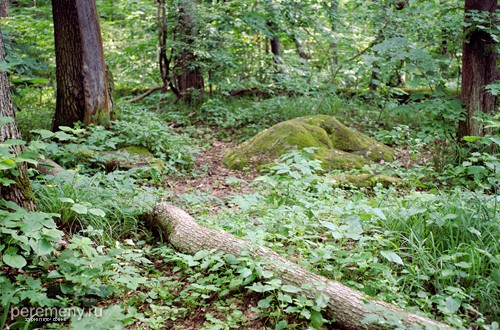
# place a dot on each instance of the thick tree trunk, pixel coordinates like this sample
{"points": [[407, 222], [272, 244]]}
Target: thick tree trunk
{"points": [[188, 75], [4, 8], [347, 306], [82, 86], [19, 192], [478, 69]]}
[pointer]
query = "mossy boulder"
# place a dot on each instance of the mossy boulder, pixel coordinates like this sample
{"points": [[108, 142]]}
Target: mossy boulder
{"points": [[130, 157], [364, 180], [339, 147]]}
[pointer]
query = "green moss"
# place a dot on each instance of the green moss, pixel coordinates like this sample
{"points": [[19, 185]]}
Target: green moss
{"points": [[364, 180], [268, 145], [338, 146], [137, 150], [348, 140], [337, 159], [131, 157]]}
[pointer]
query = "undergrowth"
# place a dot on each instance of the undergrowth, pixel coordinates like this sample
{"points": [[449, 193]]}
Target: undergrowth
{"points": [[430, 244]]}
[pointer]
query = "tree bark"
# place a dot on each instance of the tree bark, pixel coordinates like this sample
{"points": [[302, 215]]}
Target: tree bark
{"points": [[4, 8], [275, 46], [82, 85], [300, 49], [19, 192], [188, 76], [347, 306], [274, 43], [334, 45], [478, 69]]}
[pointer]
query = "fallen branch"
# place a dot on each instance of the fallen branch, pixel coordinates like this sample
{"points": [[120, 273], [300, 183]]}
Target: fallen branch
{"points": [[143, 96], [346, 306]]}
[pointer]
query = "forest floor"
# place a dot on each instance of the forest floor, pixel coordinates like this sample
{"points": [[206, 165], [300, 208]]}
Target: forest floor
{"points": [[213, 176]]}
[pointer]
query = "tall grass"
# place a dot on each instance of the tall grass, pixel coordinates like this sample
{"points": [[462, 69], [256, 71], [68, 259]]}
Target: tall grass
{"points": [[454, 238], [105, 206]]}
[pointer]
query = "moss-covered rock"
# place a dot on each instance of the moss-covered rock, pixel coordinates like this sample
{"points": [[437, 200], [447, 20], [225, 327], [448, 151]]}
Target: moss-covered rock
{"points": [[364, 180], [338, 146], [130, 157]]}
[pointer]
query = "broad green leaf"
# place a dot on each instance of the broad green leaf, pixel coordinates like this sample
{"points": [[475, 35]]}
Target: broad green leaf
{"points": [[79, 208], [463, 264], [317, 319], [392, 257], [379, 213], [43, 247], [14, 142], [245, 272], [45, 134], [471, 138], [66, 200], [7, 164], [329, 225], [5, 120], [15, 261], [259, 287], [263, 303], [63, 136], [495, 140], [98, 212], [290, 288], [305, 313], [6, 182], [452, 305]]}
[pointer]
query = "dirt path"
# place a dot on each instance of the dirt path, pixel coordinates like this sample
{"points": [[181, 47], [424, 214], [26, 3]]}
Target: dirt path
{"points": [[213, 176]]}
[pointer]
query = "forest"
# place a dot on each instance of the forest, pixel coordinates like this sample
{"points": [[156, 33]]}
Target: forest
{"points": [[249, 164]]}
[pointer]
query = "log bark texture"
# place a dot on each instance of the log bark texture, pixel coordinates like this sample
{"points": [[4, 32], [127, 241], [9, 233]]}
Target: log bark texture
{"points": [[49, 167], [346, 306], [82, 84]]}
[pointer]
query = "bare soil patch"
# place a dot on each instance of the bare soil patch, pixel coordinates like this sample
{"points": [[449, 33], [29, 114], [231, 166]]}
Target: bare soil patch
{"points": [[212, 179]]}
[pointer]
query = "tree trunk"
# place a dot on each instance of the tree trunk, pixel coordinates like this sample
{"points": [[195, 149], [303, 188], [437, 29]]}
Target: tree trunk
{"points": [[82, 86], [19, 192], [4, 8], [163, 59], [374, 76], [300, 49], [347, 306], [334, 45], [478, 69], [188, 75], [275, 47]]}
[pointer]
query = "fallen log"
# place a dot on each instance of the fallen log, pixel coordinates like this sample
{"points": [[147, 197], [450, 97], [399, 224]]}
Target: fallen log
{"points": [[146, 94], [346, 306], [48, 167]]}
